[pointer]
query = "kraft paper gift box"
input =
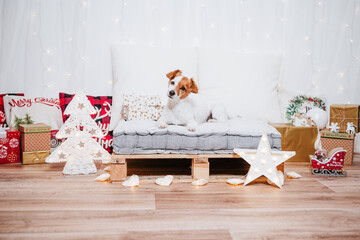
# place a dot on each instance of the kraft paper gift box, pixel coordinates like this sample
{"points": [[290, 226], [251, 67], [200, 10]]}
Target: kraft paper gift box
{"points": [[35, 157], [9, 146], [35, 137], [299, 139], [342, 114], [331, 140]]}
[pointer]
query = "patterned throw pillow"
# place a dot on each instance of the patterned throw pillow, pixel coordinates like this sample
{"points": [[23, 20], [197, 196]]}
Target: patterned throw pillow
{"points": [[102, 104], [141, 107], [2, 111]]}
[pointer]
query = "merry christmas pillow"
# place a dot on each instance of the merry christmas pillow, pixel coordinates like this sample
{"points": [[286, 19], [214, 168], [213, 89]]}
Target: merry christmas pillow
{"points": [[2, 111], [102, 105], [23, 110]]}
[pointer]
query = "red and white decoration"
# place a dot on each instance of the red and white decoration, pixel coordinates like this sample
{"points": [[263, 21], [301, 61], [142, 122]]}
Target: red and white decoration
{"points": [[9, 146], [41, 110]]}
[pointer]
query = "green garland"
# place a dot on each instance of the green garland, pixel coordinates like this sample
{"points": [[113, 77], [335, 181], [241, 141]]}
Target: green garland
{"points": [[296, 103]]}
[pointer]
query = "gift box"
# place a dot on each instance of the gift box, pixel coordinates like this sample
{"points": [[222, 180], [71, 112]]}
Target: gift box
{"points": [[9, 146], [346, 116], [35, 137], [34, 157], [299, 139], [331, 140]]}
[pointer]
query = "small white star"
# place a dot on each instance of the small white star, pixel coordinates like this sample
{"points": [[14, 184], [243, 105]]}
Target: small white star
{"points": [[81, 106]]}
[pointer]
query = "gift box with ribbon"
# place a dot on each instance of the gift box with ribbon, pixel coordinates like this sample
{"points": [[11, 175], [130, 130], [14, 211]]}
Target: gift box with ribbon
{"points": [[346, 117], [34, 157], [9, 146]]}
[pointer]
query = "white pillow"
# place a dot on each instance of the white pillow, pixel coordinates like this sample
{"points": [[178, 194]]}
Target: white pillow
{"points": [[41, 110], [143, 69], [245, 83]]}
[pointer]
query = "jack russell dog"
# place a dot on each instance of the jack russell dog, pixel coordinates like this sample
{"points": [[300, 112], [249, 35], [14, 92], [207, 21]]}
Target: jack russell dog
{"points": [[186, 107]]}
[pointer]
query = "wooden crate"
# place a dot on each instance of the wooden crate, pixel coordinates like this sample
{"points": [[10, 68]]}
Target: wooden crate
{"points": [[199, 165]]}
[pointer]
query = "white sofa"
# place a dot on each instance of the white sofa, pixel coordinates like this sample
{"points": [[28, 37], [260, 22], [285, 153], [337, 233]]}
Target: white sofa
{"points": [[245, 83]]}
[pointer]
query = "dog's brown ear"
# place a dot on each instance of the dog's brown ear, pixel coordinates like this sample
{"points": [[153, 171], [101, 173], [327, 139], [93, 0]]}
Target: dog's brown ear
{"points": [[193, 86], [173, 74]]}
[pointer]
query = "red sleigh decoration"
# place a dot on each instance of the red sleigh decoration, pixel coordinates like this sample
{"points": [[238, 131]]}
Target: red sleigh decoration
{"points": [[332, 165]]}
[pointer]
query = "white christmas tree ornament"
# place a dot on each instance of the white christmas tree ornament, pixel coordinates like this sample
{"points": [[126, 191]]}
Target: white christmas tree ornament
{"points": [[79, 150]]}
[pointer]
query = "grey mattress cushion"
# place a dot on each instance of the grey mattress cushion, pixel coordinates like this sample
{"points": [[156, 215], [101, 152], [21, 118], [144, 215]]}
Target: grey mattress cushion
{"points": [[143, 137]]}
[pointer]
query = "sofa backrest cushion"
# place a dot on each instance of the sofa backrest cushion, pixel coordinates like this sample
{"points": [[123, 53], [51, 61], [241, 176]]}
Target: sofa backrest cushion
{"points": [[245, 83]]}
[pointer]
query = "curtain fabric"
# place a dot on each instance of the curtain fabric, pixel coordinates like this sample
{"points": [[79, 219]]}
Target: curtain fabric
{"points": [[64, 45]]}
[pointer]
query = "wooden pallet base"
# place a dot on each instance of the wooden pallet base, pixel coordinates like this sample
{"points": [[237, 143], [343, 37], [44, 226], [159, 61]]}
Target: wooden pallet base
{"points": [[200, 166]]}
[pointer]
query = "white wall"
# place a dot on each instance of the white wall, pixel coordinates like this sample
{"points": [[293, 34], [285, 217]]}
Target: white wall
{"points": [[49, 46]]}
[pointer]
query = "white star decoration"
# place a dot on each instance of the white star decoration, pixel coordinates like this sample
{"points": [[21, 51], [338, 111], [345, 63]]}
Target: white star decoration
{"points": [[263, 161]]}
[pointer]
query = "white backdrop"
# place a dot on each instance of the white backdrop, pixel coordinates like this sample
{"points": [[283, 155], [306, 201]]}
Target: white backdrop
{"points": [[49, 46]]}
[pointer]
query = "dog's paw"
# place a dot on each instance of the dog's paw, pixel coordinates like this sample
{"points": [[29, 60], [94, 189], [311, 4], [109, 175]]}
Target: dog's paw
{"points": [[162, 125], [191, 128], [212, 120]]}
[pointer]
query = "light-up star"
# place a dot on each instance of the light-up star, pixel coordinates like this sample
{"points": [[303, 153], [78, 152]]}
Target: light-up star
{"points": [[263, 162], [81, 106]]}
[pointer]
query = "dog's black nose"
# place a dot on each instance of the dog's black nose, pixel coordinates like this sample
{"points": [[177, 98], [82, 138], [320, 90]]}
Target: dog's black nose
{"points": [[172, 93]]}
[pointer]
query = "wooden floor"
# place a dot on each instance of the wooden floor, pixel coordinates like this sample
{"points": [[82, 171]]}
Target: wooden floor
{"points": [[37, 202]]}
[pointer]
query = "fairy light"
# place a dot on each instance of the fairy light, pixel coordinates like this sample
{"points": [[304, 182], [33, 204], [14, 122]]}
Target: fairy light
{"points": [[256, 170], [248, 19], [163, 29], [341, 88], [35, 34], [341, 74], [69, 39], [117, 20], [49, 69], [307, 38], [269, 170], [111, 83], [84, 3], [263, 162], [69, 75], [83, 58], [212, 25], [203, 5], [125, 4]]}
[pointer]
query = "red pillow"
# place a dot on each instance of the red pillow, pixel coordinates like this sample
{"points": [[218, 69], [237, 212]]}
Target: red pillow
{"points": [[2, 112], [102, 104]]}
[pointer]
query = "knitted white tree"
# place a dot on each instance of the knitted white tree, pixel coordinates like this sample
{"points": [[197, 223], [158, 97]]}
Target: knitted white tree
{"points": [[79, 149]]}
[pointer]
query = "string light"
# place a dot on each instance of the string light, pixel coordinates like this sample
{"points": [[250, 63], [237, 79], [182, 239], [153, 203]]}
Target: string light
{"points": [[125, 4], [35, 33], [212, 25], [48, 69], [69, 75], [248, 19], [341, 88], [307, 38], [341, 74], [117, 20], [70, 39], [163, 29], [48, 51], [84, 4]]}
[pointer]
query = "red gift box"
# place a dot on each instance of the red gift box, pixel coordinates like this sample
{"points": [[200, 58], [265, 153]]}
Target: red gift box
{"points": [[10, 147]]}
